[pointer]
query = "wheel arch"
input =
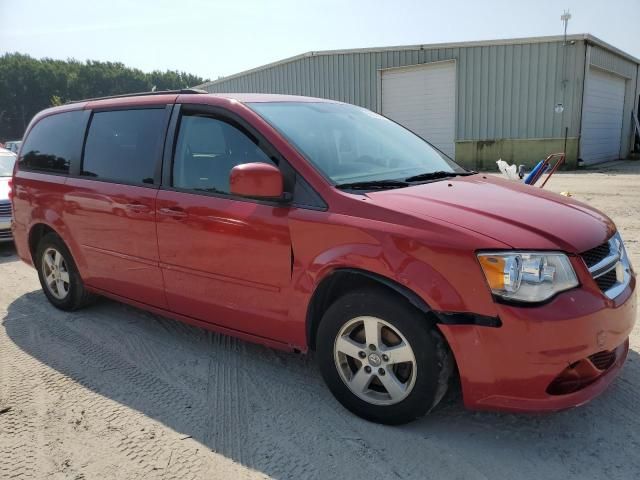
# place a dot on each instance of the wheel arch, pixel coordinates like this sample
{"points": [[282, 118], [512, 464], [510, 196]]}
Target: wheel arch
{"points": [[343, 280], [41, 228], [36, 233]]}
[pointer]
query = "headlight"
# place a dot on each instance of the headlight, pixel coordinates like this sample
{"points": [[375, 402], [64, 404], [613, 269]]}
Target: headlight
{"points": [[527, 276]]}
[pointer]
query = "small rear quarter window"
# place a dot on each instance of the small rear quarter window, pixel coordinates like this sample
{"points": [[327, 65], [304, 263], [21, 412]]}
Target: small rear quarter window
{"points": [[53, 143]]}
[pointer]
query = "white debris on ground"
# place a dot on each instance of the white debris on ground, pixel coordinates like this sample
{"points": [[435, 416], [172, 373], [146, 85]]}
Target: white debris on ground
{"points": [[509, 171]]}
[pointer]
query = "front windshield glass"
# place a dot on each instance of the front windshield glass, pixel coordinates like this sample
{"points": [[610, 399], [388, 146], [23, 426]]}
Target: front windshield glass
{"points": [[351, 144], [6, 165]]}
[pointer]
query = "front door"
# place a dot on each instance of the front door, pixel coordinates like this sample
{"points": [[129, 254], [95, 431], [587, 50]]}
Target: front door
{"points": [[225, 260]]}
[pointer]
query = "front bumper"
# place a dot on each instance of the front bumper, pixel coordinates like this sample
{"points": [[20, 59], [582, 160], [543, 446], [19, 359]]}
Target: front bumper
{"points": [[538, 360], [5, 229]]}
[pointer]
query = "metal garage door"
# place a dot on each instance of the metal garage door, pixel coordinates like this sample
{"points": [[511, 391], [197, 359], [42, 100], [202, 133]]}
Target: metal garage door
{"points": [[423, 99], [602, 117]]}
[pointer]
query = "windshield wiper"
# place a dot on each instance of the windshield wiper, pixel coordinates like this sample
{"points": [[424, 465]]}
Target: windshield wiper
{"points": [[372, 185], [436, 175]]}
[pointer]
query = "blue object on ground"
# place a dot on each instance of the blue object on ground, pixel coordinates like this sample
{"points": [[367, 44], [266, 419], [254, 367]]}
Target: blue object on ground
{"points": [[532, 175]]}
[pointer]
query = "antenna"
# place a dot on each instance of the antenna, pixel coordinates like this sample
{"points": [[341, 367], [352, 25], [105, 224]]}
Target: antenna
{"points": [[565, 17]]}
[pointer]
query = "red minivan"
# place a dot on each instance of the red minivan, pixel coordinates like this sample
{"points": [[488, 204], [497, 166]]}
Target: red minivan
{"points": [[309, 224]]}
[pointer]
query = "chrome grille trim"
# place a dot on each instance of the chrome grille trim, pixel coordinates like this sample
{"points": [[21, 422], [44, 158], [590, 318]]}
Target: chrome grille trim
{"points": [[604, 266], [5, 209], [617, 260], [593, 256]]}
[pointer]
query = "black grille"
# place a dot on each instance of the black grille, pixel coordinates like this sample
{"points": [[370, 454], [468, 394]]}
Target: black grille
{"points": [[5, 209], [5, 233], [593, 256], [603, 360], [608, 280]]}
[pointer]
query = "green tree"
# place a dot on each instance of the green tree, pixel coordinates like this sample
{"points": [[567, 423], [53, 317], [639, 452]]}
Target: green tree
{"points": [[28, 85]]}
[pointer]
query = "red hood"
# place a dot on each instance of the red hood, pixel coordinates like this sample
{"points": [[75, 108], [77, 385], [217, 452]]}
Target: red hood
{"points": [[519, 215]]}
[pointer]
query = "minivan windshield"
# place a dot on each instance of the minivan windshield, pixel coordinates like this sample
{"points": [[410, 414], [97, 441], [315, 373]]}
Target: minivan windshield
{"points": [[6, 164], [352, 145]]}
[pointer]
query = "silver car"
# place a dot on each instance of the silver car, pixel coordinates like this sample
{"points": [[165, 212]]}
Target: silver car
{"points": [[7, 160], [13, 145]]}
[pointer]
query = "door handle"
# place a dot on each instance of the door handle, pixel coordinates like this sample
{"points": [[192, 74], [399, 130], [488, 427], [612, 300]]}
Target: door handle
{"points": [[137, 207], [175, 212]]}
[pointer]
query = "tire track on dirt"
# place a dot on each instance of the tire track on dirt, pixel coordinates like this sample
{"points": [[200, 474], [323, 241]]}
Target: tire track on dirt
{"points": [[18, 425], [92, 370], [283, 377], [227, 429], [85, 361]]}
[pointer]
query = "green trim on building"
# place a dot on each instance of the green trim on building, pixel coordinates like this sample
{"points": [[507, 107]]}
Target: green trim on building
{"points": [[483, 154]]}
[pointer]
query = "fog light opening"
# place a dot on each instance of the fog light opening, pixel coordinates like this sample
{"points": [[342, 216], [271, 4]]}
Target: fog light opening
{"points": [[573, 378]]}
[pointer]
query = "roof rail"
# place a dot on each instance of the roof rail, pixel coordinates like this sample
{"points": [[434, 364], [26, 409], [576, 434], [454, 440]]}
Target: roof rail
{"points": [[142, 94]]}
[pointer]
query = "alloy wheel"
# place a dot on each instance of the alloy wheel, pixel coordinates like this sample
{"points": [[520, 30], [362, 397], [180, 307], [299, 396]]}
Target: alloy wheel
{"points": [[375, 361], [55, 273]]}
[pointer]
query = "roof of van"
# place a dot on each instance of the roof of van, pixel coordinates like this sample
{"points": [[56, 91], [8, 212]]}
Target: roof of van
{"points": [[172, 95], [198, 98], [169, 97]]}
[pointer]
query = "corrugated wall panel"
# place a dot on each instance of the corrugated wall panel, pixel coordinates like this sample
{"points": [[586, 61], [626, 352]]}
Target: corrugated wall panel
{"points": [[499, 88], [461, 108], [610, 61], [490, 77], [503, 91], [484, 114], [541, 106], [523, 100], [515, 92], [507, 93]]}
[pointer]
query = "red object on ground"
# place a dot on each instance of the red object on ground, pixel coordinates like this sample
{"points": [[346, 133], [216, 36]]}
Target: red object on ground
{"points": [[560, 158]]}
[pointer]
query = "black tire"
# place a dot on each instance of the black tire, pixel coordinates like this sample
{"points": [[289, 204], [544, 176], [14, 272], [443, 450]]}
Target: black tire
{"points": [[77, 296], [433, 358]]}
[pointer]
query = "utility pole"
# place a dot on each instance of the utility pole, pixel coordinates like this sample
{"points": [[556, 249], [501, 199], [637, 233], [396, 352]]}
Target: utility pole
{"points": [[565, 17], [565, 20]]}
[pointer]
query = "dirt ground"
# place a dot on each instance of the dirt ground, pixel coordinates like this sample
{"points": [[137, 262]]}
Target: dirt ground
{"points": [[114, 392]]}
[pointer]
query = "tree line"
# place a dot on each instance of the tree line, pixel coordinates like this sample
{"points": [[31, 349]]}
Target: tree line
{"points": [[28, 85]]}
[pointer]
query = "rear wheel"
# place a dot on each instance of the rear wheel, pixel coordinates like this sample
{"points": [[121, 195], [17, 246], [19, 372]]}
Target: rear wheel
{"points": [[59, 275], [380, 357]]}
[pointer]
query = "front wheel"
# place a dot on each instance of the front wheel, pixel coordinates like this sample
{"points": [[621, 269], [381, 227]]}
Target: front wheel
{"points": [[380, 357]]}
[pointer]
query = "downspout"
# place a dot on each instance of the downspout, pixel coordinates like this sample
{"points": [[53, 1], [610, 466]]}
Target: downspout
{"points": [[636, 107]]}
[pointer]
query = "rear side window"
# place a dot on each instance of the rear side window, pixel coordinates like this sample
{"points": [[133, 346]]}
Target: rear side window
{"points": [[53, 143], [124, 145]]}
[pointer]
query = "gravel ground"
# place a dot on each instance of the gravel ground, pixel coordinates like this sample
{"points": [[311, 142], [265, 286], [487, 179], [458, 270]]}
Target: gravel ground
{"points": [[114, 392]]}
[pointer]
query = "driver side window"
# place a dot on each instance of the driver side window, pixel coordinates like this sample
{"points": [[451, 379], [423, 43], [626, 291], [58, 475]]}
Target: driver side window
{"points": [[206, 151]]}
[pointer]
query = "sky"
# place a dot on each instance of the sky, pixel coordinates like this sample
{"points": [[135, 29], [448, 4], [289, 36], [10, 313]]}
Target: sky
{"points": [[215, 38]]}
